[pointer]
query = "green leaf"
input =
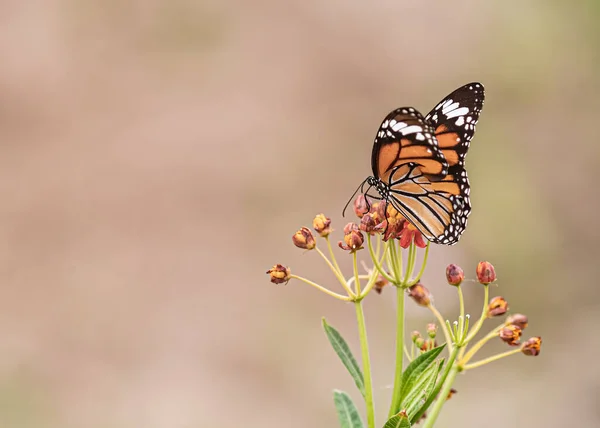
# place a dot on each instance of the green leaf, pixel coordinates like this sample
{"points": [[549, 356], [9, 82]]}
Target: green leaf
{"points": [[346, 410], [343, 350], [415, 368], [398, 421], [421, 390]]}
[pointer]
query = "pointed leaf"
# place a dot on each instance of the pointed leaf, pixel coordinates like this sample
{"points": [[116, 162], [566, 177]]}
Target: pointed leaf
{"points": [[343, 350], [416, 367], [421, 390], [398, 421], [346, 410]]}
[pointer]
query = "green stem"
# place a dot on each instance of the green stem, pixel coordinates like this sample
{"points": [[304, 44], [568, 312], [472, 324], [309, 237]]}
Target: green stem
{"points": [[356, 278], [399, 353], [443, 326], [491, 359], [436, 390], [494, 333], [376, 260], [441, 397], [364, 346], [461, 318], [410, 264], [393, 260], [337, 273], [323, 289], [420, 274], [477, 327], [332, 254]]}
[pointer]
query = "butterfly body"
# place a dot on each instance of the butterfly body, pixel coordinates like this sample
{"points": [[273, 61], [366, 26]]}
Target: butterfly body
{"points": [[418, 163]]}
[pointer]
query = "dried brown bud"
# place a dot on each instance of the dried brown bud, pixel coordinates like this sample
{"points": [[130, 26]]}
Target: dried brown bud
{"points": [[368, 224], [485, 273], [353, 238], [497, 306], [519, 320], [380, 282], [451, 393], [350, 227], [431, 330], [428, 344], [322, 225], [279, 274], [532, 347], [415, 335], [420, 294], [454, 275], [361, 206], [304, 239], [510, 334]]}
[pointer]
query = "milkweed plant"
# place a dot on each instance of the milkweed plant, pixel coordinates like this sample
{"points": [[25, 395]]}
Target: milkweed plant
{"points": [[425, 371]]}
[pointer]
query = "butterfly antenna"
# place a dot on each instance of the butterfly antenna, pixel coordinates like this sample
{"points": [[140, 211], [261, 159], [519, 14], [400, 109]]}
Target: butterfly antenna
{"points": [[354, 194]]}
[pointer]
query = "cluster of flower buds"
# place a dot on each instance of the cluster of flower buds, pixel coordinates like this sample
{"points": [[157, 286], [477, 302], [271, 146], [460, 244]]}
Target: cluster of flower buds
{"points": [[383, 217]]}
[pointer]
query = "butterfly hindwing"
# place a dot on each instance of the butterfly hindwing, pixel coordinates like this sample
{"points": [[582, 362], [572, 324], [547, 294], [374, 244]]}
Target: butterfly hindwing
{"points": [[439, 209]]}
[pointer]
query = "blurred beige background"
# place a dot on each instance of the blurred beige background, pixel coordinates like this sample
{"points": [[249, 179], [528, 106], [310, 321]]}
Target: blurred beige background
{"points": [[156, 157]]}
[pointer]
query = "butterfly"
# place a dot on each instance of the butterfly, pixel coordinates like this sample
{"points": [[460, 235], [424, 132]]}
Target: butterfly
{"points": [[419, 163]]}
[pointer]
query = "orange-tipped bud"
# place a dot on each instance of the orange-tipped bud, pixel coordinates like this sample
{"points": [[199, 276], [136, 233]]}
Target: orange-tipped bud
{"points": [[420, 294], [361, 206], [428, 344], [519, 320], [532, 347], [322, 225], [304, 239], [410, 233], [353, 238], [486, 273], [368, 224], [431, 330], [279, 274], [454, 275], [497, 306], [510, 334], [380, 282]]}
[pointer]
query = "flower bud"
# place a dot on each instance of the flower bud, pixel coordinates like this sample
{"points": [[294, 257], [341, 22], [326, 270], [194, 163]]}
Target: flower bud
{"points": [[322, 224], [420, 294], [532, 346], [428, 344], [510, 334], [361, 206], [419, 342], [380, 282], [454, 275], [431, 330], [497, 306], [519, 320], [353, 238], [368, 223], [415, 335], [485, 273], [279, 274], [304, 239]]}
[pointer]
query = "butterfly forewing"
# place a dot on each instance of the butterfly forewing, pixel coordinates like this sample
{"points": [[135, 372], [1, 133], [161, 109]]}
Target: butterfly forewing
{"points": [[454, 120], [404, 137]]}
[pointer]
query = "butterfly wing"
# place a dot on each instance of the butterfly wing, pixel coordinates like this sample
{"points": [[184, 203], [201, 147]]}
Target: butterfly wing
{"points": [[405, 137], [454, 120], [439, 209]]}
